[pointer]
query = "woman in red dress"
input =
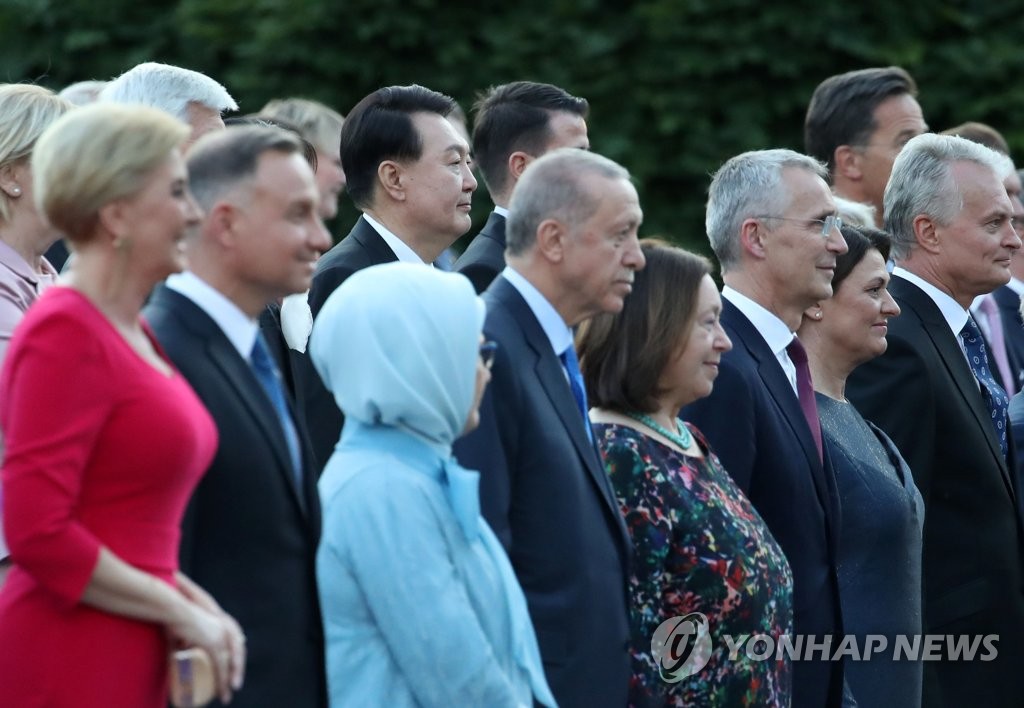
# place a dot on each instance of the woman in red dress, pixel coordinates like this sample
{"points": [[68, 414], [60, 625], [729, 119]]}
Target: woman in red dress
{"points": [[104, 440]]}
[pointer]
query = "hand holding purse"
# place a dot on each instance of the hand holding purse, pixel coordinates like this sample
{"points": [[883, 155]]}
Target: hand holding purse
{"points": [[191, 678]]}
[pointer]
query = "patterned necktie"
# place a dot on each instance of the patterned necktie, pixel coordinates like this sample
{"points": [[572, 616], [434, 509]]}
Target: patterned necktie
{"points": [[992, 392], [579, 392], [805, 392], [995, 330], [266, 373]]}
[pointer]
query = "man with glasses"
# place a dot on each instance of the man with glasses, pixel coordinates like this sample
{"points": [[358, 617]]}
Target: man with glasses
{"points": [[771, 221], [857, 123], [934, 392]]}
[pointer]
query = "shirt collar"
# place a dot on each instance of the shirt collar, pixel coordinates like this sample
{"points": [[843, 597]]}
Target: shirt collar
{"points": [[952, 312], [238, 327], [400, 247], [13, 261], [557, 331], [1016, 285], [501, 211], [775, 332]]}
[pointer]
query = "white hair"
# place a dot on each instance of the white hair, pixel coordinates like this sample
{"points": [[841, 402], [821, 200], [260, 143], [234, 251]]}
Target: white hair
{"points": [[168, 88], [854, 213], [82, 93]]}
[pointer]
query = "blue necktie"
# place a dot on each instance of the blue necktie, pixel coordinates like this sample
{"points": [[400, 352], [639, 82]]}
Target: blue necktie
{"points": [[992, 392], [579, 392], [266, 373]]}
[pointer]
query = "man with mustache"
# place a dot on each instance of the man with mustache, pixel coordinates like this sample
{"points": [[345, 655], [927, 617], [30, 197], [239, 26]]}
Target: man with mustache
{"points": [[771, 223], [572, 250]]}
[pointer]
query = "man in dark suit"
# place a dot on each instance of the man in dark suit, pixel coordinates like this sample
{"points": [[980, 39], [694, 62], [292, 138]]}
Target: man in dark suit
{"points": [[251, 530], [407, 169], [515, 124], [770, 222], [573, 250], [934, 394]]}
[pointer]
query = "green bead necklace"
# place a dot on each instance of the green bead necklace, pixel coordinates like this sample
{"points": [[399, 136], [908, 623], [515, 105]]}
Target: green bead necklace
{"points": [[682, 438]]}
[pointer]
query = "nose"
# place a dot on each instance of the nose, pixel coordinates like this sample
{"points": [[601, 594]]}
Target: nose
{"points": [[722, 341], [633, 257], [469, 183], [1011, 239], [835, 243], [193, 212], [320, 237], [889, 306]]}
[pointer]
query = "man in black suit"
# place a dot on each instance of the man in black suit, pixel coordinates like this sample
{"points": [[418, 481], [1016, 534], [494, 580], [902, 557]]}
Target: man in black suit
{"points": [[572, 251], [515, 124], [933, 393], [770, 222], [251, 530], [407, 169]]}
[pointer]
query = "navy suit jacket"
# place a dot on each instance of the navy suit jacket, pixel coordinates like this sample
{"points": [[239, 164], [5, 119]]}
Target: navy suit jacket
{"points": [[362, 248], [922, 393], [484, 258], [544, 491], [755, 425], [1013, 330], [250, 532]]}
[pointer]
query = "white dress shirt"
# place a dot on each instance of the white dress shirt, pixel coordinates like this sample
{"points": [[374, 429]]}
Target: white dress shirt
{"points": [[774, 331], [238, 327], [557, 331], [400, 247]]}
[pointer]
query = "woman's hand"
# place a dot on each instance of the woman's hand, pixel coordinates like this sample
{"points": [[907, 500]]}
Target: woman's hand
{"points": [[204, 625]]}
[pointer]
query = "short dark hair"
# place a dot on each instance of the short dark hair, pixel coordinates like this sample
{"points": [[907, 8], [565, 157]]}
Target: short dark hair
{"points": [[859, 240], [513, 117], [220, 160], [980, 133], [841, 111], [380, 128], [623, 355], [308, 149]]}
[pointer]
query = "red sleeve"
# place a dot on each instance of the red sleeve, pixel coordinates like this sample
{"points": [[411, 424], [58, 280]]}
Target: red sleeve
{"points": [[55, 394]]}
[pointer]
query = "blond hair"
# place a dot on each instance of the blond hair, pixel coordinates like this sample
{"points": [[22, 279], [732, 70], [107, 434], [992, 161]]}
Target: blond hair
{"points": [[96, 154], [25, 112], [315, 122]]}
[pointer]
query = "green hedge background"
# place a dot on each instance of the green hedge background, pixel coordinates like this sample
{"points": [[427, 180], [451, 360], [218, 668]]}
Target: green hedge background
{"points": [[675, 86]]}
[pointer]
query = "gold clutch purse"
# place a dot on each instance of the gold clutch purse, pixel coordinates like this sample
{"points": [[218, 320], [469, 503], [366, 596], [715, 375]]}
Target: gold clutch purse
{"points": [[191, 678]]}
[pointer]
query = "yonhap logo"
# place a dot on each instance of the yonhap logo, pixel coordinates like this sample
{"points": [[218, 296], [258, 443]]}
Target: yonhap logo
{"points": [[681, 646]]}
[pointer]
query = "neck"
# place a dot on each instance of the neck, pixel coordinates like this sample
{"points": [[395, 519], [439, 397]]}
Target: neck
{"points": [[531, 267], [234, 289], [920, 264], [829, 365], [767, 297], [28, 243], [105, 278], [426, 246]]}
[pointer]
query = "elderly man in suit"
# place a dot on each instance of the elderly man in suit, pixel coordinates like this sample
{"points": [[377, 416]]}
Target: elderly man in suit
{"points": [[407, 170], [572, 253], [251, 530], [771, 222], [935, 393], [515, 124]]}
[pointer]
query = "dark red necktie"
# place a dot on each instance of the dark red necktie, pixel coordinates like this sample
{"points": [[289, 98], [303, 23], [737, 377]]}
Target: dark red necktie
{"points": [[805, 391]]}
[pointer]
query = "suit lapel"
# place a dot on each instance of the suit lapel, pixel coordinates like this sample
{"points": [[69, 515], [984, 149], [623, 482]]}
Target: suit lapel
{"points": [[1013, 330], [494, 229], [237, 372], [373, 242], [945, 342]]}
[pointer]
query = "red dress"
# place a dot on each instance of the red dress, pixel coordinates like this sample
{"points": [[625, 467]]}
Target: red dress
{"points": [[101, 450]]}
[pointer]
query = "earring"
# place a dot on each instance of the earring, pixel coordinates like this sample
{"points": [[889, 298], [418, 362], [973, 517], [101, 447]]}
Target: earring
{"points": [[817, 315], [16, 191]]}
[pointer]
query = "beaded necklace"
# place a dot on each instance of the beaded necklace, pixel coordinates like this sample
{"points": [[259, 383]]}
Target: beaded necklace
{"points": [[682, 438]]}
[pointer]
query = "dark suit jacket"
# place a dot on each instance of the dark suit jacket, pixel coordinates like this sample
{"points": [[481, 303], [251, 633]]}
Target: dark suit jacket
{"points": [[250, 533], [484, 258], [755, 425], [544, 491], [362, 248], [923, 394], [1013, 330]]}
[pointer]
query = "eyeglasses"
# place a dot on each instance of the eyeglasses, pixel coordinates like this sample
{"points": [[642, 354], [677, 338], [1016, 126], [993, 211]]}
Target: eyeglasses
{"points": [[832, 221], [487, 352]]}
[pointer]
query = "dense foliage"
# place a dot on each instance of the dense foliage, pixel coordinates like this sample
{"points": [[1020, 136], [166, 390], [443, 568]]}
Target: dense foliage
{"points": [[676, 86]]}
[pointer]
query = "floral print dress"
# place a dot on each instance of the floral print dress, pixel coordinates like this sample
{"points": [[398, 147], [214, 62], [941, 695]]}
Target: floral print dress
{"points": [[699, 546]]}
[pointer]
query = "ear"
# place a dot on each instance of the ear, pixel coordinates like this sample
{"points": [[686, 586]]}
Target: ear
{"points": [[926, 234], [847, 163], [9, 181], [517, 163], [814, 312], [551, 240], [389, 176], [752, 238], [225, 223], [113, 218]]}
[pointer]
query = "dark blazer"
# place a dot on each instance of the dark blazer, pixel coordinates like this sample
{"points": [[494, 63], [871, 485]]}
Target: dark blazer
{"points": [[755, 425], [544, 491], [250, 533], [484, 258], [362, 248], [923, 394], [1013, 330]]}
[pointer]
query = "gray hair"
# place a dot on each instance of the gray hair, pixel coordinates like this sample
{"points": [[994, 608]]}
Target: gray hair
{"points": [[222, 160], [552, 187], [169, 88], [82, 93], [747, 186], [922, 183], [854, 213]]}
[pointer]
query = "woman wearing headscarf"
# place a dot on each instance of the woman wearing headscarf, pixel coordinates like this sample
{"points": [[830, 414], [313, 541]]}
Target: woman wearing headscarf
{"points": [[699, 546], [100, 462], [883, 513], [420, 603]]}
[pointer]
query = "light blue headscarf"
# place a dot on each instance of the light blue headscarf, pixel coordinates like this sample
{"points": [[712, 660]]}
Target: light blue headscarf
{"points": [[397, 345]]}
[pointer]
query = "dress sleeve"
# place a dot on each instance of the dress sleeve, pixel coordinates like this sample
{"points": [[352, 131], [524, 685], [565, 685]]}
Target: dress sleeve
{"points": [[55, 395], [390, 534]]}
